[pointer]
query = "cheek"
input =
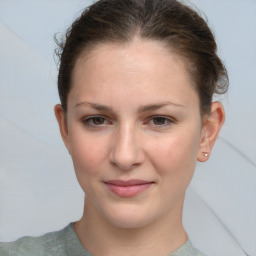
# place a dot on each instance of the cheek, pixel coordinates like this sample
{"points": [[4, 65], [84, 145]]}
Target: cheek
{"points": [[89, 154], [175, 155]]}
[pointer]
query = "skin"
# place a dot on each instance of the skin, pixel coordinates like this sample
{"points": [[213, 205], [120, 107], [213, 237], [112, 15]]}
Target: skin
{"points": [[127, 87]]}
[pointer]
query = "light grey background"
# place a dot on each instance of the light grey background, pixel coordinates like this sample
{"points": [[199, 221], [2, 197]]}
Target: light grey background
{"points": [[38, 189]]}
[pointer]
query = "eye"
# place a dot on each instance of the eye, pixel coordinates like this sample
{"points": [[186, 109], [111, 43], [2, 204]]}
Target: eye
{"points": [[160, 121], [94, 121], [98, 120]]}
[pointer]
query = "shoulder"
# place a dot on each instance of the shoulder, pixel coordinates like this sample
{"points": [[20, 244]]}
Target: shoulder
{"points": [[49, 244], [187, 250], [192, 250]]}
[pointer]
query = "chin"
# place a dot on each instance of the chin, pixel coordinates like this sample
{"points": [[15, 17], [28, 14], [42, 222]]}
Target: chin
{"points": [[128, 218]]}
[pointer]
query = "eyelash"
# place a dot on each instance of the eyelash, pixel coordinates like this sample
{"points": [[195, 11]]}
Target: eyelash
{"points": [[90, 121], [167, 121]]}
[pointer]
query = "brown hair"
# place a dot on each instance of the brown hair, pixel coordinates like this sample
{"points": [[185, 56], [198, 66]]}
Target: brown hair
{"points": [[178, 26]]}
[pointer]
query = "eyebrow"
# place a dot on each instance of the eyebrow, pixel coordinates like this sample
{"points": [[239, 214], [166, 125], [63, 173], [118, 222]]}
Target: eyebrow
{"points": [[144, 108], [157, 106], [95, 106]]}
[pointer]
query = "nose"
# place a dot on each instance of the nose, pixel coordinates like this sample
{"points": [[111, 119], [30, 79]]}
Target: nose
{"points": [[127, 151]]}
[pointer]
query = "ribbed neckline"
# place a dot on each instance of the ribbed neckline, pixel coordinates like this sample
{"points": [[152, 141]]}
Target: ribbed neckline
{"points": [[75, 248], [185, 249]]}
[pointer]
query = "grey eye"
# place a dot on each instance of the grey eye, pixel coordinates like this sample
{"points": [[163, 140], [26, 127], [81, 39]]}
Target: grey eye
{"points": [[159, 120]]}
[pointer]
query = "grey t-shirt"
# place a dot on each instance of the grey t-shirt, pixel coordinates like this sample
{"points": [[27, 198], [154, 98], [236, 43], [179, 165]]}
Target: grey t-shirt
{"points": [[65, 243]]}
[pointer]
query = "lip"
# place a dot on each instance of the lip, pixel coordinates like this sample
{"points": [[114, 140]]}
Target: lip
{"points": [[129, 188]]}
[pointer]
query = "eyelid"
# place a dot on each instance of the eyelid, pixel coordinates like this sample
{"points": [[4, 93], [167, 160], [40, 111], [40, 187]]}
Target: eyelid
{"points": [[169, 119], [87, 119]]}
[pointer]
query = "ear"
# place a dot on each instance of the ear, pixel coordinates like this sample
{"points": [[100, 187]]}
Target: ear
{"points": [[211, 126], [61, 118]]}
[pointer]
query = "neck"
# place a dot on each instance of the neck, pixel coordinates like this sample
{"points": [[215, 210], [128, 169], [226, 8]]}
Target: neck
{"points": [[100, 237]]}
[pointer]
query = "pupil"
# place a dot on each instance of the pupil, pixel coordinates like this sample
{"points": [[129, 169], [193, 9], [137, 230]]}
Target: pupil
{"points": [[159, 120], [98, 120]]}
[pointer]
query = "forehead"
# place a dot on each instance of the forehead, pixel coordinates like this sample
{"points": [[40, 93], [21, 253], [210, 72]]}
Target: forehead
{"points": [[131, 54], [144, 68]]}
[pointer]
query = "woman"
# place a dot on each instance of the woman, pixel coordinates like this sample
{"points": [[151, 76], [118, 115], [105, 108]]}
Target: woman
{"points": [[136, 81]]}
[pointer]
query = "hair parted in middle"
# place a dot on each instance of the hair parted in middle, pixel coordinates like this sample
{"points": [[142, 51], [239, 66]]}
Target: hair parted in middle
{"points": [[180, 28]]}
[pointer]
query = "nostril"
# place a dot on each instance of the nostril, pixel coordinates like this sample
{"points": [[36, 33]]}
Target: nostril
{"points": [[126, 152], [124, 167]]}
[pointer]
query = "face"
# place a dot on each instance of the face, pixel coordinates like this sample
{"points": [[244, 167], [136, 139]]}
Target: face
{"points": [[133, 130]]}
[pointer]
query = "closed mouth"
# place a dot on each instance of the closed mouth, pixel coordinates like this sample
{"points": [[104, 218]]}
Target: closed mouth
{"points": [[127, 183], [128, 188]]}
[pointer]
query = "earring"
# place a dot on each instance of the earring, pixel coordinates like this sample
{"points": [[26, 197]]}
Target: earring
{"points": [[205, 154]]}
